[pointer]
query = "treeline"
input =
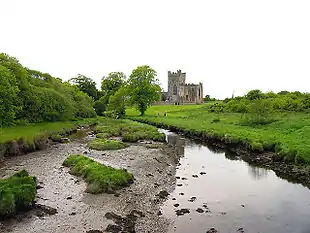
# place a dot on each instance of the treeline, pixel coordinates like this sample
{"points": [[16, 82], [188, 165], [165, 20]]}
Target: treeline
{"points": [[31, 96], [282, 101]]}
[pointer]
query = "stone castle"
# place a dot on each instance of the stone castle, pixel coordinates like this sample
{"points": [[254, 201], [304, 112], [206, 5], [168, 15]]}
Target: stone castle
{"points": [[180, 92]]}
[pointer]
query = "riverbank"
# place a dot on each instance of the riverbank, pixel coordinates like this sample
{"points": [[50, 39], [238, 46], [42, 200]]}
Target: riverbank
{"points": [[22, 139], [281, 146], [131, 208]]}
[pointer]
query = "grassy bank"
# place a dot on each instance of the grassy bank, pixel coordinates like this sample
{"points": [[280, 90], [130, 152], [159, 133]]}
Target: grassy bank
{"points": [[288, 134], [16, 193], [99, 178], [26, 138], [129, 131]]}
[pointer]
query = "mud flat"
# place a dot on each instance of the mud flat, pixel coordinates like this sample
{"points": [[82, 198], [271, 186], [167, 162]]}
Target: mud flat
{"points": [[73, 210]]}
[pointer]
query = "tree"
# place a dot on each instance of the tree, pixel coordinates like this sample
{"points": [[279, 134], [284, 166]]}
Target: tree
{"points": [[143, 87], [117, 103], [85, 84], [109, 86], [8, 94], [254, 94]]}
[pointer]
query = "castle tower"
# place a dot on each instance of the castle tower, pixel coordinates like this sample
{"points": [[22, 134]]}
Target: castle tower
{"points": [[175, 81]]}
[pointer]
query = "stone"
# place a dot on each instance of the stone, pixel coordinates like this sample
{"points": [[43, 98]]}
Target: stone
{"points": [[199, 210], [212, 230], [176, 205], [202, 173], [179, 184], [163, 194], [182, 212], [69, 198], [195, 176], [192, 199]]}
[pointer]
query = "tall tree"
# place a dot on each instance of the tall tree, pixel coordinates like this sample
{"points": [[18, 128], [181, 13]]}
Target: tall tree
{"points": [[109, 86], [85, 84], [143, 87]]}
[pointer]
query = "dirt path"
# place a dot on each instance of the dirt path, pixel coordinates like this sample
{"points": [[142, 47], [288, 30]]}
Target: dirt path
{"points": [[78, 211]]}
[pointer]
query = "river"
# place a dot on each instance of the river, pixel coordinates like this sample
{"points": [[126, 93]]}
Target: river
{"points": [[234, 196]]}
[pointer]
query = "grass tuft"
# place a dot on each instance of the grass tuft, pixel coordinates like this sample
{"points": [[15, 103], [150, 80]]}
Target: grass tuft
{"points": [[106, 144], [16, 193], [99, 178]]}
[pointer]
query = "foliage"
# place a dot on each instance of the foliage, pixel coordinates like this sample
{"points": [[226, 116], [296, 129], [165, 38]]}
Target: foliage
{"points": [[109, 86], [143, 87], [117, 103], [105, 144], [288, 135], [99, 178], [85, 84], [31, 96], [16, 193], [207, 98]]}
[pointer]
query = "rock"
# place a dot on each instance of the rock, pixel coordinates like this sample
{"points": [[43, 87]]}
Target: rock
{"points": [[192, 199], [177, 177], [243, 206], [174, 199], [64, 140], [223, 213], [199, 210], [163, 194], [69, 198], [240, 230], [212, 230], [176, 205], [195, 176], [181, 194], [39, 187], [202, 173], [113, 228], [94, 231], [159, 213], [85, 152], [179, 184], [148, 175], [73, 213], [117, 194], [183, 178], [43, 209], [182, 212]]}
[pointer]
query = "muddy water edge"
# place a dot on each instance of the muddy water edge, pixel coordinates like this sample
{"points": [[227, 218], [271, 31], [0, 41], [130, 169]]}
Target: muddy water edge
{"points": [[68, 208]]}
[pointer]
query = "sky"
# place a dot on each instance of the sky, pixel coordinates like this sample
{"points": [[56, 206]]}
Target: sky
{"points": [[230, 46]]}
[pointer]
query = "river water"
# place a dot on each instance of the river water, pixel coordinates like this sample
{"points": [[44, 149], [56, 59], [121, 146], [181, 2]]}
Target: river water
{"points": [[232, 195]]}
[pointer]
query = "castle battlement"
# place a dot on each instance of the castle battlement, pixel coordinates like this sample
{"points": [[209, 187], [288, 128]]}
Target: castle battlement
{"points": [[175, 74]]}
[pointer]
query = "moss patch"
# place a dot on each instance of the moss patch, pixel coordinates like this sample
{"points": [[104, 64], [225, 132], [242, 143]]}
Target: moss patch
{"points": [[99, 178], [16, 193], [106, 144]]}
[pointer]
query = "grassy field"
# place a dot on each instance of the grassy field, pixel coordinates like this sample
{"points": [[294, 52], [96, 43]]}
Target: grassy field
{"points": [[289, 134], [99, 178], [106, 144], [31, 131]]}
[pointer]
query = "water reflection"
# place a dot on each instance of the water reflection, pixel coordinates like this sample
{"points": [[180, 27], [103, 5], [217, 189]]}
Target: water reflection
{"points": [[258, 173]]}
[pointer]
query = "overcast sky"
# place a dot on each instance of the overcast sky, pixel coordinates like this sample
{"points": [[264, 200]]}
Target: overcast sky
{"points": [[228, 45]]}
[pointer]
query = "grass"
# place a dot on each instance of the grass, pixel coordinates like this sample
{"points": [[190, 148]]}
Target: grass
{"points": [[106, 144], [130, 131], [16, 193], [99, 178], [31, 131], [288, 135]]}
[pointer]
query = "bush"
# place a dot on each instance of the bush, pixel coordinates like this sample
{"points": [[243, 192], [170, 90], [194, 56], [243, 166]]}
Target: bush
{"points": [[105, 144], [16, 193], [99, 178]]}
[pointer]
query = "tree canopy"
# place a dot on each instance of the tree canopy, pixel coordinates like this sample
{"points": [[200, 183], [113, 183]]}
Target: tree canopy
{"points": [[32, 96], [143, 87], [86, 85]]}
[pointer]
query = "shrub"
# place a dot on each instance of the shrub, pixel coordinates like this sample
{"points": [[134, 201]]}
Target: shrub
{"points": [[16, 193], [99, 178], [105, 144]]}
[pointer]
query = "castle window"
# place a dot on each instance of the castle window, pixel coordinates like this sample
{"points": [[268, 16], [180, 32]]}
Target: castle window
{"points": [[175, 90], [199, 93]]}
